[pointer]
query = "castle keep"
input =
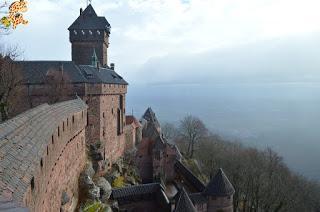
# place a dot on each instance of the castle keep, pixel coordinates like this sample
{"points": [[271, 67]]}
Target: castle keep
{"points": [[90, 77]]}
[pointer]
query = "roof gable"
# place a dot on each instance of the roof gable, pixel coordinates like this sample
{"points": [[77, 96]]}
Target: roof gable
{"points": [[184, 204]]}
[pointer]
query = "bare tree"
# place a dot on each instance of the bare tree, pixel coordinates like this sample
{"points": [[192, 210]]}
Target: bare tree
{"points": [[10, 80], [169, 131], [58, 86], [192, 129]]}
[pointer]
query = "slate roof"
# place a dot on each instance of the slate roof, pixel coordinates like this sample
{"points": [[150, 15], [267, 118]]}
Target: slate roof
{"points": [[24, 139], [35, 72], [183, 203], [159, 144], [150, 116], [193, 180], [136, 190], [89, 20], [219, 185]]}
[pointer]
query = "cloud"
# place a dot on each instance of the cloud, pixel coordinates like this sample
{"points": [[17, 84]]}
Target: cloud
{"points": [[289, 60], [146, 29]]}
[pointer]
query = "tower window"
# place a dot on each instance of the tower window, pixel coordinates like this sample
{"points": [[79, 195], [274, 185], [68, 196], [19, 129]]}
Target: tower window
{"points": [[47, 150], [103, 114], [63, 126], [41, 163], [52, 139], [72, 119], [58, 131]]}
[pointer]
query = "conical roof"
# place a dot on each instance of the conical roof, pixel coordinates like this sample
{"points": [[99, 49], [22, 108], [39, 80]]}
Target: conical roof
{"points": [[150, 116], [183, 203], [219, 185], [88, 19]]}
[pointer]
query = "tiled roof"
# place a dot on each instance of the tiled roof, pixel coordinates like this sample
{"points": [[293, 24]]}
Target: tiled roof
{"points": [[193, 180], [89, 20], [131, 119], [136, 190], [184, 204], [101, 75], [35, 72], [23, 141], [219, 185]]}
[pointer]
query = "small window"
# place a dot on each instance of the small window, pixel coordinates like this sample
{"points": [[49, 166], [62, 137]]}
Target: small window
{"points": [[41, 163], [87, 118], [104, 133], [112, 110], [32, 183], [103, 114], [63, 126], [58, 131], [47, 150], [67, 122], [52, 139], [82, 114], [72, 119]]}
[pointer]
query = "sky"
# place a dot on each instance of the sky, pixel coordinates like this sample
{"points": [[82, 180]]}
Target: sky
{"points": [[187, 41]]}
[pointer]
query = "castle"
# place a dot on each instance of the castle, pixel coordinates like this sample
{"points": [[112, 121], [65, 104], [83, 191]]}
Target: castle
{"points": [[43, 150]]}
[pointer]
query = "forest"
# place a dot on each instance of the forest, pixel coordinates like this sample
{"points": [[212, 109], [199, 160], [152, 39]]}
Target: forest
{"points": [[263, 182]]}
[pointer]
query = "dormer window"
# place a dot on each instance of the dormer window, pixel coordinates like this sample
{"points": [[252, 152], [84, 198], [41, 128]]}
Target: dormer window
{"points": [[82, 32], [75, 32], [90, 32], [98, 32]]}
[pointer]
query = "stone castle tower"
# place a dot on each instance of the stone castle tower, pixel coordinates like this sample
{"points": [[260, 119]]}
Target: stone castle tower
{"points": [[219, 192], [89, 32]]}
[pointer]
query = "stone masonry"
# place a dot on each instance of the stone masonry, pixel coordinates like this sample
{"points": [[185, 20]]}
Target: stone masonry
{"points": [[42, 152]]}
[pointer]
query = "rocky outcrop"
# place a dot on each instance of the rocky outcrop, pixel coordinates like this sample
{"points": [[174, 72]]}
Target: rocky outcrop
{"points": [[105, 188]]}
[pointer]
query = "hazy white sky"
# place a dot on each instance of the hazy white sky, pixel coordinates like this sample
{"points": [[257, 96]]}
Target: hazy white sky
{"points": [[144, 31]]}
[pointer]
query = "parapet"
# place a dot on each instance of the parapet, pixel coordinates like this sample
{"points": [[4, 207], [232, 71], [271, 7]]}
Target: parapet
{"points": [[24, 139]]}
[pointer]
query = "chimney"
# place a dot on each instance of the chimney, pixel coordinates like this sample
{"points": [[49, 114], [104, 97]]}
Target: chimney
{"points": [[80, 11], [112, 66]]}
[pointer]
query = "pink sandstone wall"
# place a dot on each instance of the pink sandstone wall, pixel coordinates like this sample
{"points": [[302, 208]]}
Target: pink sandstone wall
{"points": [[61, 165]]}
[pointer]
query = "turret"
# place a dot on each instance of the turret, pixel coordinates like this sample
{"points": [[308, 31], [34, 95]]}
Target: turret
{"points": [[219, 192], [89, 32], [183, 202]]}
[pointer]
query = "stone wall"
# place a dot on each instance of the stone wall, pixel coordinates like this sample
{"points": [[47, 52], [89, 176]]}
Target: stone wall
{"points": [[47, 153]]}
